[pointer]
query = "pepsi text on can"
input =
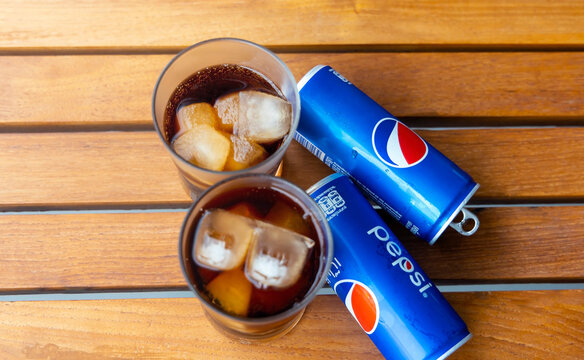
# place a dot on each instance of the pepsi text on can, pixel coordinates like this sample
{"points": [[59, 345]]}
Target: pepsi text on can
{"points": [[384, 289], [403, 262]]}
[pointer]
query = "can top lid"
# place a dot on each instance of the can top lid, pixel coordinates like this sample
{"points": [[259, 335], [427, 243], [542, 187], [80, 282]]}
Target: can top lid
{"points": [[322, 182], [466, 215], [308, 75]]}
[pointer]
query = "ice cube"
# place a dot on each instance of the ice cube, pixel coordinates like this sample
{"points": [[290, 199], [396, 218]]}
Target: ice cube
{"points": [[232, 291], [227, 107], [256, 115], [222, 240], [284, 215], [244, 153], [276, 256], [203, 146], [262, 117], [196, 113]]}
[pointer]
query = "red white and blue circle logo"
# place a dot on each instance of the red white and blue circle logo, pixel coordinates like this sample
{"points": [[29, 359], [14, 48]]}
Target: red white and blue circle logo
{"points": [[396, 145], [361, 302]]}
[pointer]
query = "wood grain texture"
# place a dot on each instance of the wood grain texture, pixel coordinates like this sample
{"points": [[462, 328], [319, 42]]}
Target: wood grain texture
{"points": [[521, 325], [74, 70], [516, 163], [99, 24], [512, 244], [90, 251], [505, 325], [107, 251], [65, 90], [117, 90], [101, 169]]}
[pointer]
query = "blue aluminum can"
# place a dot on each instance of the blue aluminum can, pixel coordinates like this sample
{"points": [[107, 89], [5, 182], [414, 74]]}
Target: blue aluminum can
{"points": [[385, 290], [397, 169]]}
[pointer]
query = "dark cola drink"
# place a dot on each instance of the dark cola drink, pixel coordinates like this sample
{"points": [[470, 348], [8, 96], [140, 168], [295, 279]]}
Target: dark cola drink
{"points": [[254, 252], [226, 118]]}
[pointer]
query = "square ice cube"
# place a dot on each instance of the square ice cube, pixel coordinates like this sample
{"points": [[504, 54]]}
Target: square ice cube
{"points": [[276, 256], [196, 113], [263, 118], [227, 107], [244, 153], [222, 240], [255, 115], [232, 291], [286, 215], [203, 146]]}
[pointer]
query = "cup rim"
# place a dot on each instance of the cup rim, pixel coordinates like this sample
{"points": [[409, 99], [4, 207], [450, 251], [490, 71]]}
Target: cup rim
{"points": [[315, 286], [287, 138]]}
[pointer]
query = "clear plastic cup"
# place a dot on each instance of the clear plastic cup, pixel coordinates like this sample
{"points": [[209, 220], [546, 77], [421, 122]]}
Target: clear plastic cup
{"points": [[248, 329], [216, 52]]}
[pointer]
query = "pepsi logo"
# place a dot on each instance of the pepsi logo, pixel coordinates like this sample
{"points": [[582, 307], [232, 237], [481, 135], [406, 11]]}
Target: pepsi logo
{"points": [[396, 145], [361, 302]]}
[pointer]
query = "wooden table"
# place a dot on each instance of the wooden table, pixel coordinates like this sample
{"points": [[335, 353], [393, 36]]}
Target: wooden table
{"points": [[91, 202]]}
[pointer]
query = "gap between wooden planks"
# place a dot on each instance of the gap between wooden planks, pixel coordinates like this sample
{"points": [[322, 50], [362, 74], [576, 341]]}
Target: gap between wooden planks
{"points": [[140, 250], [111, 24], [115, 91], [509, 325]]}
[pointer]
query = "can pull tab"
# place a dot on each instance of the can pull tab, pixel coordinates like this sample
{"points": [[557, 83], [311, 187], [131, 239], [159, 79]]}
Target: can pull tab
{"points": [[466, 217]]}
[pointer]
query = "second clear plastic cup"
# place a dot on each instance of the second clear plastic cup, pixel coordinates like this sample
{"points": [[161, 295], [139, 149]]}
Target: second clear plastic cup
{"points": [[216, 52], [257, 328]]}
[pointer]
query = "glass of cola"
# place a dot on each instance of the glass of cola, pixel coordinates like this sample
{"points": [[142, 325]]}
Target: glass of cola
{"points": [[255, 249], [224, 107]]}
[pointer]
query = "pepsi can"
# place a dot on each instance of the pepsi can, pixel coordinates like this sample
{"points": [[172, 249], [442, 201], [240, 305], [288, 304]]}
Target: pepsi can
{"points": [[391, 298], [396, 168]]}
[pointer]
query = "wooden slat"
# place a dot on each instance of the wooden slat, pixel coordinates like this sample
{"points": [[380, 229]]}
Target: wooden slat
{"points": [[512, 244], [518, 163], [90, 251], [117, 90], [64, 90], [506, 325], [136, 250], [522, 325], [99, 24], [100, 169]]}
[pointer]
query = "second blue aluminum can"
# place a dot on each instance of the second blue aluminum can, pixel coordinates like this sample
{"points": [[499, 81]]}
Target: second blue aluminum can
{"points": [[396, 168], [385, 290]]}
